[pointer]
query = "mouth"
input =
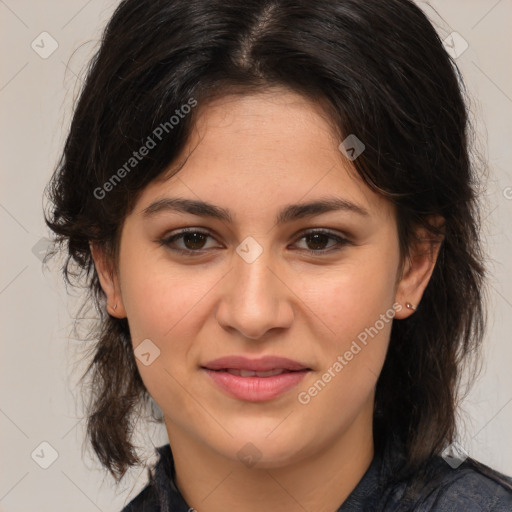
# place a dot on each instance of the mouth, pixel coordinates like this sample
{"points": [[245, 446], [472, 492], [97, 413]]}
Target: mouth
{"points": [[252, 373], [260, 365], [255, 380]]}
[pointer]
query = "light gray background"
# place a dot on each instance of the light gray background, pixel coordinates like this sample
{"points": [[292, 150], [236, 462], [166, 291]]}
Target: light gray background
{"points": [[40, 365]]}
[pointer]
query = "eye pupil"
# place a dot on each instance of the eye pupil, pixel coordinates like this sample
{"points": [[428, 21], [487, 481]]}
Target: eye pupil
{"points": [[194, 238], [315, 237]]}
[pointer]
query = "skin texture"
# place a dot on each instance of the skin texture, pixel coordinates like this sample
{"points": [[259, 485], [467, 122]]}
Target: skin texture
{"points": [[254, 155]]}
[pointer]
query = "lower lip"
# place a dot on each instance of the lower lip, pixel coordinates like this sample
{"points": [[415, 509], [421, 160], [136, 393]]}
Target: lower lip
{"points": [[256, 389]]}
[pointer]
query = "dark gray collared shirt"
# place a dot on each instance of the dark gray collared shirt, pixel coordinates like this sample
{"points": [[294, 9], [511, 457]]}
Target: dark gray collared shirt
{"points": [[464, 489]]}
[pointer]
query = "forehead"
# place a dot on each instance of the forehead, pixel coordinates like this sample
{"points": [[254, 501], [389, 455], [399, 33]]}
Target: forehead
{"points": [[258, 151]]}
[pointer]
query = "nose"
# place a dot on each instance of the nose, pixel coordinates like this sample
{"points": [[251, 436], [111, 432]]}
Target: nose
{"points": [[255, 298]]}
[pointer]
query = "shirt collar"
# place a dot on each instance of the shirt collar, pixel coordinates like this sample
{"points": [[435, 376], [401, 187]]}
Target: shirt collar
{"points": [[369, 487]]}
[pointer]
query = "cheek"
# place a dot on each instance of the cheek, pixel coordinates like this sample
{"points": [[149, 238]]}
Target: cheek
{"points": [[168, 306], [356, 304], [351, 358], [163, 307], [351, 297], [160, 298]]}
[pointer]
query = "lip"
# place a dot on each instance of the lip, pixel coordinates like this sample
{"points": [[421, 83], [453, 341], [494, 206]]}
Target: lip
{"points": [[254, 388], [262, 364]]}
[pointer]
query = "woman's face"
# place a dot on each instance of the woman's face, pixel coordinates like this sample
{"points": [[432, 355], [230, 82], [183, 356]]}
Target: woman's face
{"points": [[251, 288]]}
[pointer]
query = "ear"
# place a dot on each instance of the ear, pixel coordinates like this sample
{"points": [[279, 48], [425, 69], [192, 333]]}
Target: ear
{"points": [[418, 268], [109, 281]]}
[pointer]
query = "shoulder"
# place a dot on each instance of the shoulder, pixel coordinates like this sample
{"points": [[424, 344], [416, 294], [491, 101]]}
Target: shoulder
{"points": [[468, 488], [472, 487]]}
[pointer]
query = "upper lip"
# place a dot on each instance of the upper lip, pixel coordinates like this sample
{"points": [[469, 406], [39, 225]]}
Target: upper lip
{"points": [[262, 364]]}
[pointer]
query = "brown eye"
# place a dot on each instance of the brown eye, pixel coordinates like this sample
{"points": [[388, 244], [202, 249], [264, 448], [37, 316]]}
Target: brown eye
{"points": [[316, 241], [192, 240]]}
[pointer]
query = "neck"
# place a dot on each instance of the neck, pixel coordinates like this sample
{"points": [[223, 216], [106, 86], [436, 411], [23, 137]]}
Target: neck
{"points": [[321, 482]]}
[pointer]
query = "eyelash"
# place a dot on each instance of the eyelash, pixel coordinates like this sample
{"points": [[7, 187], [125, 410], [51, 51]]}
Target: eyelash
{"points": [[167, 241]]}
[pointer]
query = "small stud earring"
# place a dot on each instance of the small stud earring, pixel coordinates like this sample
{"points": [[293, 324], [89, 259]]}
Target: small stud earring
{"points": [[410, 306], [114, 307]]}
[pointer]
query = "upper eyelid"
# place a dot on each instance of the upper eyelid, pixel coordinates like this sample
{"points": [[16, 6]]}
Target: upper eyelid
{"points": [[210, 232], [301, 234]]}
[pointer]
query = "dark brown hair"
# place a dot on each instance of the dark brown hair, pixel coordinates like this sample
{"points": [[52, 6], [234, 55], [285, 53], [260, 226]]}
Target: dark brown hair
{"points": [[380, 72]]}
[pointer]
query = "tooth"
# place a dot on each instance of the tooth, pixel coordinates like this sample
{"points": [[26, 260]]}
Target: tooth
{"points": [[269, 373], [247, 373], [251, 373]]}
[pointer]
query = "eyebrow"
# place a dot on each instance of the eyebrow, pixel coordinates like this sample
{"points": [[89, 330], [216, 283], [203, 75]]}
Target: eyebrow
{"points": [[288, 214]]}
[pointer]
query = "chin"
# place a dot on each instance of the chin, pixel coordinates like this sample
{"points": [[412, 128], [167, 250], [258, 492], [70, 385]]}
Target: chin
{"points": [[256, 449]]}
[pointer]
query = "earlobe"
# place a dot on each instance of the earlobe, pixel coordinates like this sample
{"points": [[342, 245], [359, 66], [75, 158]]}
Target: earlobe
{"points": [[408, 305], [108, 281], [418, 270]]}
